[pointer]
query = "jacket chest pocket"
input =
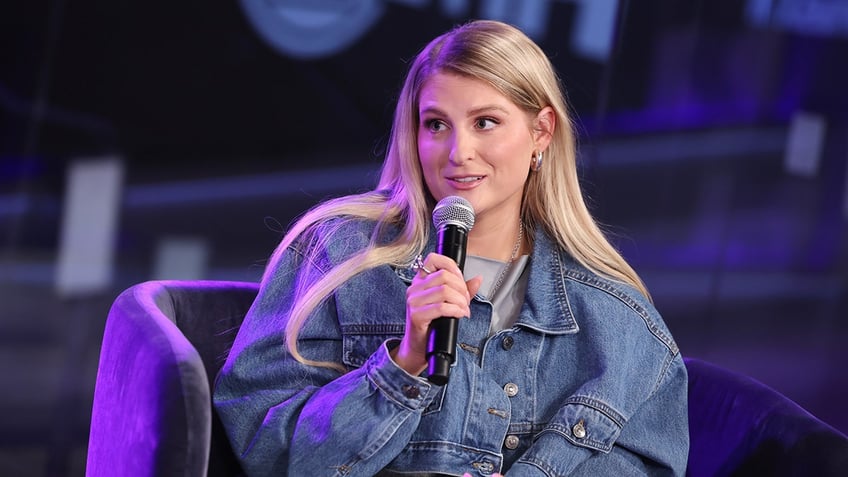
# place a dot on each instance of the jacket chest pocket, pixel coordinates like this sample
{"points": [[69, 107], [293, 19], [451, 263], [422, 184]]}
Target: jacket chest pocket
{"points": [[588, 424], [359, 341]]}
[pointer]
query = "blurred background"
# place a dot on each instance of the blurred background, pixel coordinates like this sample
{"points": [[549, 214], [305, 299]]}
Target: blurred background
{"points": [[150, 140]]}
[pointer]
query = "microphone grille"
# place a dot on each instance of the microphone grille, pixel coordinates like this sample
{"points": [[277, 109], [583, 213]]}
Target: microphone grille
{"points": [[453, 210]]}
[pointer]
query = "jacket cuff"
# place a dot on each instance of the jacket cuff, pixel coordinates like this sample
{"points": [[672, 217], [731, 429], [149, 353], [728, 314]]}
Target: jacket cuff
{"points": [[412, 392]]}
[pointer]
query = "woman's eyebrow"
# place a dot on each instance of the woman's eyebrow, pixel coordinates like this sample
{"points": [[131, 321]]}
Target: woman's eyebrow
{"points": [[486, 108], [471, 112]]}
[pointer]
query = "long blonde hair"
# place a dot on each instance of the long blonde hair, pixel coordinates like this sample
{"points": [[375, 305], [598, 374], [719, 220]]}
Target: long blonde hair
{"points": [[509, 61]]}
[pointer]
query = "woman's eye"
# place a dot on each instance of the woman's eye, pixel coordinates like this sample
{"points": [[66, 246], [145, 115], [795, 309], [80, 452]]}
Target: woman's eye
{"points": [[486, 123], [434, 125]]}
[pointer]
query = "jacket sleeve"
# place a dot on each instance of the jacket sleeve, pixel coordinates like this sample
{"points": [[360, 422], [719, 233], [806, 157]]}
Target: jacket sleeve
{"points": [[287, 418], [585, 438]]}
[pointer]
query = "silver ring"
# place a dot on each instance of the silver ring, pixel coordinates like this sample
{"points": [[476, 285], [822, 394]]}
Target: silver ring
{"points": [[418, 265]]}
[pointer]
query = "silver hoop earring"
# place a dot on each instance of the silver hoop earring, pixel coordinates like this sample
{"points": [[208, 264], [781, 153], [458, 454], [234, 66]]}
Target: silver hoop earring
{"points": [[536, 162]]}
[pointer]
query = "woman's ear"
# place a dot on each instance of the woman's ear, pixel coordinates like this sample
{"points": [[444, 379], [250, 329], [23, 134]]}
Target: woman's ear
{"points": [[543, 127]]}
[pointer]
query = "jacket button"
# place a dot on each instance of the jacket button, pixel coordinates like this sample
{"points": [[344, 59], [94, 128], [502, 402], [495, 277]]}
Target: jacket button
{"points": [[485, 467], [411, 392], [507, 342], [579, 430], [511, 389], [511, 442]]}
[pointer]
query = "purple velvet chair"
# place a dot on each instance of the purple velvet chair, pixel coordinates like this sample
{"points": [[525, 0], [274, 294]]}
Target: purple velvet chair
{"points": [[166, 340], [739, 426], [163, 345]]}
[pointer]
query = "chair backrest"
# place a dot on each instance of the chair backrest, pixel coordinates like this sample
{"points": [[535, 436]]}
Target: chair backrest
{"points": [[740, 426], [163, 344]]}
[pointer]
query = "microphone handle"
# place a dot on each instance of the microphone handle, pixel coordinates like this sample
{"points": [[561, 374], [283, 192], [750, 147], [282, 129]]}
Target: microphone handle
{"points": [[441, 338]]}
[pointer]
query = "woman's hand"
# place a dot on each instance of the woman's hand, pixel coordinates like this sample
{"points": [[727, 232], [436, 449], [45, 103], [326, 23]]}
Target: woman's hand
{"points": [[443, 292]]}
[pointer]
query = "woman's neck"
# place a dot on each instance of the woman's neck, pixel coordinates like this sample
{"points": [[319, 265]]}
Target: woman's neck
{"points": [[495, 241]]}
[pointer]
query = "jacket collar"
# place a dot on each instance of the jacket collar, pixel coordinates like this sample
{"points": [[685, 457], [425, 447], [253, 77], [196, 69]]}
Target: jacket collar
{"points": [[547, 307]]}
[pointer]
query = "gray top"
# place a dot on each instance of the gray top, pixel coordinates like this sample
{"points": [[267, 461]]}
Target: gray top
{"points": [[506, 304]]}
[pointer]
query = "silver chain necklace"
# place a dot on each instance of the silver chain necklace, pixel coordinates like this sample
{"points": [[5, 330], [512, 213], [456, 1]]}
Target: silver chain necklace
{"points": [[508, 265]]}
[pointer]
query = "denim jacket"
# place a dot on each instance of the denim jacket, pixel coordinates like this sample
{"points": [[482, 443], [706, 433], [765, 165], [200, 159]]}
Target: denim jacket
{"points": [[587, 382]]}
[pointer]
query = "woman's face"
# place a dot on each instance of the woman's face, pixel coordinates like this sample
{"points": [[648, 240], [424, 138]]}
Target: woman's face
{"points": [[475, 143]]}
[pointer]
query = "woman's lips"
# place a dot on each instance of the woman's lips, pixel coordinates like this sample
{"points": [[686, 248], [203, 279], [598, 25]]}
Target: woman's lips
{"points": [[466, 182]]}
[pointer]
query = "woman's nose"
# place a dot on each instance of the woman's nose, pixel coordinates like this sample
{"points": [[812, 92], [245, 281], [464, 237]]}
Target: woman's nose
{"points": [[462, 149]]}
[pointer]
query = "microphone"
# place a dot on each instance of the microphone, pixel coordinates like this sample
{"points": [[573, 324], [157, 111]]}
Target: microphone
{"points": [[453, 217]]}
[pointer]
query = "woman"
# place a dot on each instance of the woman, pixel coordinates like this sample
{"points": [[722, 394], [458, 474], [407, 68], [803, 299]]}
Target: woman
{"points": [[563, 366]]}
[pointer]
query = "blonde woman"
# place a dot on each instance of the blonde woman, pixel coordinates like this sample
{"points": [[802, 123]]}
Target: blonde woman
{"points": [[563, 366]]}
